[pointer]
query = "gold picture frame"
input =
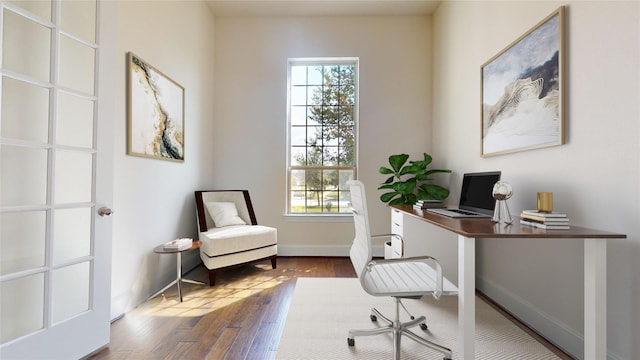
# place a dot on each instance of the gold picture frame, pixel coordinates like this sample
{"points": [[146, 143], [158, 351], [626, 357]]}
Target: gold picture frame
{"points": [[155, 112], [522, 91]]}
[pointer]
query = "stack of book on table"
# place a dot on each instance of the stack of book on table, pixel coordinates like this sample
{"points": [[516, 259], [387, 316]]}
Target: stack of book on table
{"points": [[426, 204], [178, 244], [545, 220]]}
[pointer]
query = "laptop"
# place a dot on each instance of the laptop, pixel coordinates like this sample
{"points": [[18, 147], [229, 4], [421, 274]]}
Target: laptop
{"points": [[476, 197]]}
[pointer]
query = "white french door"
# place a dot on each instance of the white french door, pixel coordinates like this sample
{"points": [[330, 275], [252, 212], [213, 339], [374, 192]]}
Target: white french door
{"points": [[56, 174]]}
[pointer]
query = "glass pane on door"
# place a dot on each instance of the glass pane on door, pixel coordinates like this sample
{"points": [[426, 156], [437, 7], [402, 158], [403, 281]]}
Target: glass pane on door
{"points": [[70, 291], [24, 176], [72, 234], [22, 241], [25, 111], [26, 46], [75, 121], [73, 174], [40, 8], [22, 306], [77, 64], [79, 18]]}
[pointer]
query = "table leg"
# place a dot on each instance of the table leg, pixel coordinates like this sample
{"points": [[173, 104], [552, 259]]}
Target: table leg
{"points": [[466, 297], [179, 276], [595, 299]]}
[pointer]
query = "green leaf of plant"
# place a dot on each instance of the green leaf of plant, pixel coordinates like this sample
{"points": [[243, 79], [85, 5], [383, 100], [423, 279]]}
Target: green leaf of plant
{"points": [[433, 192], [385, 186], [427, 159], [385, 170], [397, 161], [398, 201], [386, 197]]}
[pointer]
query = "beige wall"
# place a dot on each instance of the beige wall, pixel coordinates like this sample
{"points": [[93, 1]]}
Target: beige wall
{"points": [[594, 177], [250, 111], [153, 199]]}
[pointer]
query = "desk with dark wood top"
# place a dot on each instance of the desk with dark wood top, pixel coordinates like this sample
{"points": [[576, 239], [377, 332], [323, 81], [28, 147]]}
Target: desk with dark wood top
{"points": [[595, 272]]}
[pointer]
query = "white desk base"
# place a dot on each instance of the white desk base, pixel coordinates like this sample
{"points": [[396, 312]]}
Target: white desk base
{"points": [[595, 298]]}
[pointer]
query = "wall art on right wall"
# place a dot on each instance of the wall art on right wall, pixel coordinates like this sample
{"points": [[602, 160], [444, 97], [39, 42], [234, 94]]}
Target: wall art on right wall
{"points": [[523, 91]]}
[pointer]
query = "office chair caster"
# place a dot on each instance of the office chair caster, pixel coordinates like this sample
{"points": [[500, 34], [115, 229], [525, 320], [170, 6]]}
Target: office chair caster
{"points": [[424, 327], [351, 342], [373, 318]]}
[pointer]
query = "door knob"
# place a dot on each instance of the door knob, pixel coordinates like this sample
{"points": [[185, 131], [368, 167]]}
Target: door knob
{"points": [[104, 211]]}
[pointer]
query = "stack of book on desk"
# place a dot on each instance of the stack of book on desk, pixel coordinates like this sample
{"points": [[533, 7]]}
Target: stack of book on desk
{"points": [[545, 220], [426, 204]]}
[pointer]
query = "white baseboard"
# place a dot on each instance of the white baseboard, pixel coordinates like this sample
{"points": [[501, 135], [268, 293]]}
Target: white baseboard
{"points": [[565, 338], [558, 333], [318, 250]]}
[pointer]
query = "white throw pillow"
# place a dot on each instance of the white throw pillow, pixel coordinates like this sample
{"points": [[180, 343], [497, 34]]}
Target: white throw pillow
{"points": [[224, 213]]}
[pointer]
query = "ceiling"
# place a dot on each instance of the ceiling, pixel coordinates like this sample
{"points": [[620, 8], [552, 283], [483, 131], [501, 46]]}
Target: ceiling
{"points": [[321, 7]]}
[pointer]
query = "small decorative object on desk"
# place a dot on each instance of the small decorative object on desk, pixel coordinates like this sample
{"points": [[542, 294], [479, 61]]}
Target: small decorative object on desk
{"points": [[501, 192], [545, 220], [427, 204], [178, 244], [544, 201]]}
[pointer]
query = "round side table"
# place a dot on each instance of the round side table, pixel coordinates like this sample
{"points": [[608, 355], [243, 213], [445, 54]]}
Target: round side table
{"points": [[179, 279]]}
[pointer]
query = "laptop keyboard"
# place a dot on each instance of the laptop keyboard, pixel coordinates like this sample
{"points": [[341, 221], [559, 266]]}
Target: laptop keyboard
{"points": [[463, 212]]}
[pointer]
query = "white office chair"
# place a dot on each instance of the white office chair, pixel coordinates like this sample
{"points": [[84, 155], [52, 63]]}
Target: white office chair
{"points": [[398, 278]]}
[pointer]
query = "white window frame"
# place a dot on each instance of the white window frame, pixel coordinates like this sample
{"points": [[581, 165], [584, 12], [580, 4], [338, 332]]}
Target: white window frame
{"points": [[346, 216]]}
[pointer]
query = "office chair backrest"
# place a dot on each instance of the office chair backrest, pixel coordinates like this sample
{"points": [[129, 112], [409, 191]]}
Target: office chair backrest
{"points": [[360, 252]]}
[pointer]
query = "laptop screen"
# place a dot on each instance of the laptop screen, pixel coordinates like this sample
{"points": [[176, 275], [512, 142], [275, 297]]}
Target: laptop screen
{"points": [[476, 194]]}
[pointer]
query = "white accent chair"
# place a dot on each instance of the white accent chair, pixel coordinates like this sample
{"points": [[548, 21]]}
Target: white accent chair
{"points": [[230, 233], [398, 278]]}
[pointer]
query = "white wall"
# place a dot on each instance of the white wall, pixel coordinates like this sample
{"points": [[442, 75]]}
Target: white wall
{"points": [[595, 177], [153, 199], [250, 111]]}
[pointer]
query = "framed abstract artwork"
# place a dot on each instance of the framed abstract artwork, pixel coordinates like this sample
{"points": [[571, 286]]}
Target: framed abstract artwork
{"points": [[523, 91], [155, 111]]}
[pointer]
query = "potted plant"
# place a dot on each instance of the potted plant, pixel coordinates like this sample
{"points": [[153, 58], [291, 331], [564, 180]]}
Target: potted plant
{"points": [[410, 182]]}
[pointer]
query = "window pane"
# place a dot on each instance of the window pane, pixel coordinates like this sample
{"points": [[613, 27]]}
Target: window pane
{"points": [[73, 177], [24, 176], [26, 47], [314, 201], [314, 94], [75, 121], [314, 115], [40, 8], [315, 75], [22, 241], [298, 136], [71, 288], [345, 175], [298, 155], [25, 111], [21, 306], [330, 180], [298, 75], [72, 236], [347, 156], [330, 157], [298, 115], [79, 18], [313, 179], [76, 65], [298, 95]]}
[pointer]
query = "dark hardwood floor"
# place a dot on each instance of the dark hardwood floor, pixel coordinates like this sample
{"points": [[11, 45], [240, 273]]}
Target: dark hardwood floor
{"points": [[242, 317]]}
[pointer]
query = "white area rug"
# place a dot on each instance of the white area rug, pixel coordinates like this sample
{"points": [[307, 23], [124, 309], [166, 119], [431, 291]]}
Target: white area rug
{"points": [[324, 309]]}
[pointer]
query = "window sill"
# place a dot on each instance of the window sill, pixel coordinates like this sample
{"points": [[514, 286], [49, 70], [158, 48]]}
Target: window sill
{"points": [[348, 217]]}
